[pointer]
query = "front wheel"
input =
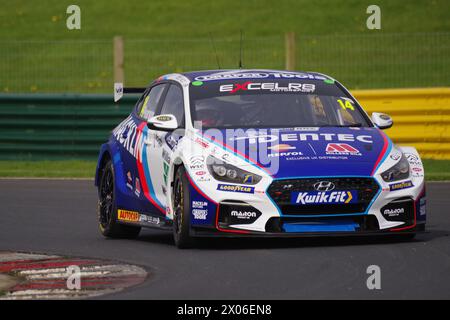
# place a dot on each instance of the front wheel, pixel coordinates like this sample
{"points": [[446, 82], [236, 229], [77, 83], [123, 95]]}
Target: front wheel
{"points": [[107, 211], [181, 210]]}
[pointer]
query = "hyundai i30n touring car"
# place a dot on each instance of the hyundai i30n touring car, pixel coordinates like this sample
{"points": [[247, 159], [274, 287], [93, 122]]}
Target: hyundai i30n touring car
{"points": [[256, 153]]}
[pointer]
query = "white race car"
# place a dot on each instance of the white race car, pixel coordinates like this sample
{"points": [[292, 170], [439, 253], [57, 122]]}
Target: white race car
{"points": [[256, 153]]}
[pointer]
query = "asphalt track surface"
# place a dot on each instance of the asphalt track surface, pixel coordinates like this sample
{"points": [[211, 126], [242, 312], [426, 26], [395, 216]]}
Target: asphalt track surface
{"points": [[59, 217]]}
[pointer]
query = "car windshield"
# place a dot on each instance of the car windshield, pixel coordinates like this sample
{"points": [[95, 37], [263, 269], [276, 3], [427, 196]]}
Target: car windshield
{"points": [[273, 103]]}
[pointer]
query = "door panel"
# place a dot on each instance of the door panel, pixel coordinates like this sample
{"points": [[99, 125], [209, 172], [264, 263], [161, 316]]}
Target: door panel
{"points": [[158, 150]]}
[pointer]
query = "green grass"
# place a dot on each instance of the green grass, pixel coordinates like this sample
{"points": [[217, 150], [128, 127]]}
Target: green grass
{"points": [[39, 54], [50, 169], [435, 170]]}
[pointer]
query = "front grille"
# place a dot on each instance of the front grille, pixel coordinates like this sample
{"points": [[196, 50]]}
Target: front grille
{"points": [[281, 190]]}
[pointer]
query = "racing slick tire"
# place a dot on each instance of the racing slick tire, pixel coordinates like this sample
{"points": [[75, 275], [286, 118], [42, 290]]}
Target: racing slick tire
{"points": [[107, 210], [181, 209]]}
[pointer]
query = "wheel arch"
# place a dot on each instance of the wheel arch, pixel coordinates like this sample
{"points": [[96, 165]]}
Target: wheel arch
{"points": [[103, 158]]}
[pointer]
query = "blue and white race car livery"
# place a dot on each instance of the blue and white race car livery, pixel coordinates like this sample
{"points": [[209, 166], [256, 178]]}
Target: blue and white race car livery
{"points": [[256, 153]]}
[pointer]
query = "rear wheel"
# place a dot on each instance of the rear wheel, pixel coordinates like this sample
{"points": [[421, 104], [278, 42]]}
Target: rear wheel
{"points": [[107, 211], [181, 208]]}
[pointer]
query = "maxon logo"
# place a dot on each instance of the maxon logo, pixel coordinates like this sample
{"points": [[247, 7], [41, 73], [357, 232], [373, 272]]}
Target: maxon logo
{"points": [[394, 212], [243, 214]]}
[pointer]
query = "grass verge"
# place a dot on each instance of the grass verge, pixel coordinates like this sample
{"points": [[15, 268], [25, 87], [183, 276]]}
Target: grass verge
{"points": [[48, 169], [435, 170]]}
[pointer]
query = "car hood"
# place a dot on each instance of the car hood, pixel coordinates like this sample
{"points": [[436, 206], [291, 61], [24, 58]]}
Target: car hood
{"points": [[307, 152]]}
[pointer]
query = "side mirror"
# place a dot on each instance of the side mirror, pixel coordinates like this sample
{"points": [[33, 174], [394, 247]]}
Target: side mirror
{"points": [[163, 122], [382, 120]]}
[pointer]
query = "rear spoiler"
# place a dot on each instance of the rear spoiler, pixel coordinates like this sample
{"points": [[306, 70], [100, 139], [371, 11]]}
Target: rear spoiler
{"points": [[119, 91]]}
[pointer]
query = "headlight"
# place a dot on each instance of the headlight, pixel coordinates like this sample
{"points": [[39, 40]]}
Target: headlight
{"points": [[226, 172], [399, 171]]}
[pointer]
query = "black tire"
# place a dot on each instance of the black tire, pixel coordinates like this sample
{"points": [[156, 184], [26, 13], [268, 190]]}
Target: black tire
{"points": [[107, 210], [181, 200]]}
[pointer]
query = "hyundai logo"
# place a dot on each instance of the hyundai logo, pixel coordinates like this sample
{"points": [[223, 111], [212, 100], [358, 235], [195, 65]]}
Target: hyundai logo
{"points": [[324, 186]]}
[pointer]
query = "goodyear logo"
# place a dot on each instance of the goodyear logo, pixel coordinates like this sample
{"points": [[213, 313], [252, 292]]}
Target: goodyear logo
{"points": [[126, 215], [234, 188], [323, 197], [401, 185]]}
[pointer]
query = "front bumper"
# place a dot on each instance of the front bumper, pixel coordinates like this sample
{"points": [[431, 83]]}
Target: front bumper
{"points": [[206, 232]]}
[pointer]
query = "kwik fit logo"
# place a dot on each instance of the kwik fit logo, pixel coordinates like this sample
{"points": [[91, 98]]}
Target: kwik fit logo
{"points": [[323, 197]]}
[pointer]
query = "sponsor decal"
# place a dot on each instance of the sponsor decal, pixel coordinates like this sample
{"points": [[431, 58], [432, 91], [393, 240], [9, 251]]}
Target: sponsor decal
{"points": [[259, 75], [244, 215], [398, 211], [254, 137], [269, 86], [412, 157], [225, 156], [415, 164], [341, 149], [324, 186], [163, 118], [413, 160], [322, 197], [165, 156], [401, 185], [126, 215], [200, 173], [204, 178], [285, 154], [199, 204], [394, 212], [395, 156], [158, 140], [129, 180], [200, 214], [197, 163], [304, 129], [126, 134], [202, 143], [149, 219], [235, 188], [346, 103], [248, 178], [165, 172], [171, 141], [137, 187], [281, 147]]}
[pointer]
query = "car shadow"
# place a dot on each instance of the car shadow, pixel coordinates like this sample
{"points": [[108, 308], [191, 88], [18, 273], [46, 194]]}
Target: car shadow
{"points": [[165, 238]]}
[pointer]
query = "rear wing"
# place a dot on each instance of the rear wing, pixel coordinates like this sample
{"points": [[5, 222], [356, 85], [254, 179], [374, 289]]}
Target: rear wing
{"points": [[119, 91]]}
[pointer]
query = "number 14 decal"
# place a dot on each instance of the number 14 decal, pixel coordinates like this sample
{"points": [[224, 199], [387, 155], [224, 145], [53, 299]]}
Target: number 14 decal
{"points": [[346, 105]]}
